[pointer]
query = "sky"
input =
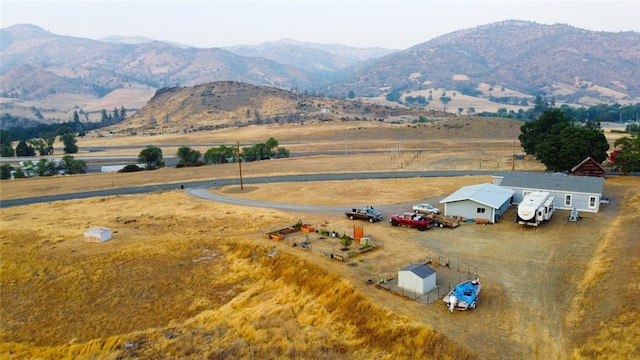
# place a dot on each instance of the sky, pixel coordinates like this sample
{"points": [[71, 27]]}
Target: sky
{"points": [[397, 24]]}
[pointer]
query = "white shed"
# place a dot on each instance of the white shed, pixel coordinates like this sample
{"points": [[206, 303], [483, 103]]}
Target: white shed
{"points": [[484, 201], [97, 234], [418, 278]]}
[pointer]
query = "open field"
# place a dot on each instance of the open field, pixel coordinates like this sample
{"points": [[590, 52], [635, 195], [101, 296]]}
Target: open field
{"points": [[190, 278]]}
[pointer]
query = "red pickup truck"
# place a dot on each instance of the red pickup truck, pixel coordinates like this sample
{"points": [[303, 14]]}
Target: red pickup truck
{"points": [[418, 221]]}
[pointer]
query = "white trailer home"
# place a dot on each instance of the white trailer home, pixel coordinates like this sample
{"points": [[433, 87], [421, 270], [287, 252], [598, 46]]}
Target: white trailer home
{"points": [[582, 193]]}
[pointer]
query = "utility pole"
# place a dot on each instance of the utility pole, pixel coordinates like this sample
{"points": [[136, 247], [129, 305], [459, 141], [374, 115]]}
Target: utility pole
{"points": [[513, 159], [240, 166]]}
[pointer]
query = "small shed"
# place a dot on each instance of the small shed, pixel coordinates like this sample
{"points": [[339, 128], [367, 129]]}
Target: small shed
{"points": [[97, 234], [417, 278], [482, 201], [588, 167]]}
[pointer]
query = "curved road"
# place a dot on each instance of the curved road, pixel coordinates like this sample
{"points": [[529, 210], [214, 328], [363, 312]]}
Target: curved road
{"points": [[198, 188]]}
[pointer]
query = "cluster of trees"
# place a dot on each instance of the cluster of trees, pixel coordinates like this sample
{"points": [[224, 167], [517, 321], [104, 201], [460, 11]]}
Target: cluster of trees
{"points": [[151, 156], [263, 151], [416, 101], [44, 167], [559, 143], [43, 144], [601, 113], [41, 137]]}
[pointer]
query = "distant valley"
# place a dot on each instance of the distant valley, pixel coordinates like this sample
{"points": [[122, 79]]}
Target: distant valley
{"points": [[45, 77]]}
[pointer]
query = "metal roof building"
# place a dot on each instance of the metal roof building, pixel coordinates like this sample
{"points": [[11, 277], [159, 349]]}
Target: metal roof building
{"points": [[417, 278], [582, 193], [484, 201]]}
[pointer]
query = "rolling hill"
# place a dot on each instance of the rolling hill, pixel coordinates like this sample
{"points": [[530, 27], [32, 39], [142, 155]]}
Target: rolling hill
{"points": [[499, 64]]}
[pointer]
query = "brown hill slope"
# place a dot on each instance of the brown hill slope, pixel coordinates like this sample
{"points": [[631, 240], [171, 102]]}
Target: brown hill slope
{"points": [[569, 64], [225, 103], [57, 74]]}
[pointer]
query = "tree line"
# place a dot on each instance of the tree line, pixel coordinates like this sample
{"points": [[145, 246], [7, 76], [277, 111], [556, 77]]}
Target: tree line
{"points": [[151, 157], [601, 113], [41, 137]]}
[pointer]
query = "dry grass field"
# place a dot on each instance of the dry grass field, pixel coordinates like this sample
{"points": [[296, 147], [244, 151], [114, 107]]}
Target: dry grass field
{"points": [[185, 277]]}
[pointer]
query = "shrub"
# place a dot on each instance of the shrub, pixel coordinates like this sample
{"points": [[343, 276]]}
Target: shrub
{"points": [[130, 168]]}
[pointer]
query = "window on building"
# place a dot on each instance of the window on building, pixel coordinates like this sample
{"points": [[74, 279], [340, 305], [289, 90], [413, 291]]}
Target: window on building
{"points": [[480, 210], [567, 200], [592, 202]]}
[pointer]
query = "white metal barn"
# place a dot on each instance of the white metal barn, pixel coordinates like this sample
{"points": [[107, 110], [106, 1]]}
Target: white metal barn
{"points": [[97, 234], [483, 201], [417, 278]]}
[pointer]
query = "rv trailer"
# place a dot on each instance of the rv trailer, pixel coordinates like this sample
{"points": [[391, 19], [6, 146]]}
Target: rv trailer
{"points": [[535, 208]]}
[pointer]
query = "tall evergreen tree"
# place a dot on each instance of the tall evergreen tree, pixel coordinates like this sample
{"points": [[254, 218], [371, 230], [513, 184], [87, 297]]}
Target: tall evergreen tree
{"points": [[23, 149], [6, 147]]}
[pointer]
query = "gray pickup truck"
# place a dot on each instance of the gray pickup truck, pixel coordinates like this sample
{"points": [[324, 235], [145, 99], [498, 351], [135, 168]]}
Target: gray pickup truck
{"points": [[366, 213]]}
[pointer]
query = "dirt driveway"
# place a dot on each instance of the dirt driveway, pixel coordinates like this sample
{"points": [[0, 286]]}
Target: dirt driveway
{"points": [[529, 275]]}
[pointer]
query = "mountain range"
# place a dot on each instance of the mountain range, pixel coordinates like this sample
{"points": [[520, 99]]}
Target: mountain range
{"points": [[46, 77]]}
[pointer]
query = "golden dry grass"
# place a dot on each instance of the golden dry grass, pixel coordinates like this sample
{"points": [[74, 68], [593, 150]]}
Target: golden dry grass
{"points": [[173, 273], [190, 278]]}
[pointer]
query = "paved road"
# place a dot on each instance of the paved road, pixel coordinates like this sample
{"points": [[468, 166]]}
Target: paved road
{"points": [[198, 188]]}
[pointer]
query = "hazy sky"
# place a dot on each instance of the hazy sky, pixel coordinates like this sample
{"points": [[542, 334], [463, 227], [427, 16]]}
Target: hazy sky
{"points": [[391, 24]]}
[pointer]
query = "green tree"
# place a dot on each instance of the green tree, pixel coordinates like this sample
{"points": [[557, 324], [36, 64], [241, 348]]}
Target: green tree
{"points": [[23, 149], [394, 95], [628, 159], [7, 151], [6, 146], [5, 171], [534, 132], [151, 156], [282, 153], [40, 145], [188, 157], [27, 169], [351, 94], [69, 141], [72, 166], [64, 130], [49, 138], [560, 145], [104, 117], [345, 241], [46, 167], [220, 155], [249, 153]]}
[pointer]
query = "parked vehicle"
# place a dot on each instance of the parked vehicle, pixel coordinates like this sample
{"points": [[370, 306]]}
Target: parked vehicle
{"points": [[535, 208], [463, 296], [443, 220], [417, 221], [366, 213], [425, 209]]}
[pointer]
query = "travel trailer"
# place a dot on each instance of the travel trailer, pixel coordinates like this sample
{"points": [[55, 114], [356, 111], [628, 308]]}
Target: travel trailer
{"points": [[535, 208]]}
